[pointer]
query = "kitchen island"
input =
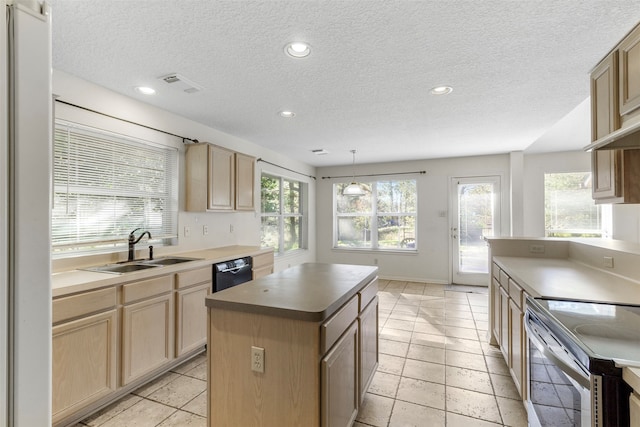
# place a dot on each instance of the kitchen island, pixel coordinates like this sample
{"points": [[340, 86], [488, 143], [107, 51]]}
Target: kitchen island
{"points": [[298, 347]]}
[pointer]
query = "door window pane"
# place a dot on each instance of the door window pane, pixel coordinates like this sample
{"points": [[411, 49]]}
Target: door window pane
{"points": [[475, 213]]}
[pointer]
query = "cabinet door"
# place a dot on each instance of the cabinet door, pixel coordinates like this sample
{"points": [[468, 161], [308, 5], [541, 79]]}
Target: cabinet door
{"points": [[147, 336], [606, 174], [221, 178], [634, 410], [505, 341], [339, 371], [495, 313], [245, 182], [604, 100], [191, 318], [84, 358], [368, 345], [630, 73], [517, 324]]}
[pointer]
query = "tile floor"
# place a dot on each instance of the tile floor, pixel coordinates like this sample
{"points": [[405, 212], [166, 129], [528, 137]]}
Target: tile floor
{"points": [[436, 369]]}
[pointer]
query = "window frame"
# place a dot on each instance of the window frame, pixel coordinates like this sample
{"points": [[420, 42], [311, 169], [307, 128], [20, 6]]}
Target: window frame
{"points": [[281, 215], [374, 214]]}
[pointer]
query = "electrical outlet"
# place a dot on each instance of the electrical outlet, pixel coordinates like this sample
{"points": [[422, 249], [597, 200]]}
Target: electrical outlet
{"points": [[257, 359], [205, 230], [187, 231], [536, 249], [608, 261], [375, 261], [230, 228]]}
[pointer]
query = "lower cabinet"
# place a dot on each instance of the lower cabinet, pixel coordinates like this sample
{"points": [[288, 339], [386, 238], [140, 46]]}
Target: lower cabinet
{"points": [[147, 336], [368, 328], [191, 318], [262, 265], [634, 410], [339, 371], [84, 355]]}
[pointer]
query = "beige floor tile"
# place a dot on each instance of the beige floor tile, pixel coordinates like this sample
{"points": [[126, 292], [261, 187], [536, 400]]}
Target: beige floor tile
{"points": [[422, 393], [431, 311], [390, 364], [468, 379], [504, 386], [464, 333], [199, 372], [426, 354], [156, 384], [112, 410], [465, 360], [402, 316], [197, 405], [384, 384], [407, 414], [479, 309], [394, 348], [186, 419], [189, 365], [432, 302], [375, 410], [179, 391], [406, 306], [483, 317], [388, 333], [429, 328], [404, 325], [491, 350], [497, 365], [428, 340], [513, 412], [472, 404], [481, 325], [458, 314], [145, 413], [426, 371], [460, 323], [457, 420], [461, 344]]}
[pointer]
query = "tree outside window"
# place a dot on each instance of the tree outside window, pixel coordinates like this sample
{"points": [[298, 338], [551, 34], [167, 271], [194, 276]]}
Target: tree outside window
{"points": [[283, 219], [383, 218]]}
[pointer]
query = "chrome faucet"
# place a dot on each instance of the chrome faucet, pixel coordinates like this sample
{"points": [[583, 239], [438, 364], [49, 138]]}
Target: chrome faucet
{"points": [[133, 241]]}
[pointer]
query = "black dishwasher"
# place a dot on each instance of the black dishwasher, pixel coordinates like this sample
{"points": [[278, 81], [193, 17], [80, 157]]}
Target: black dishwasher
{"points": [[231, 273]]}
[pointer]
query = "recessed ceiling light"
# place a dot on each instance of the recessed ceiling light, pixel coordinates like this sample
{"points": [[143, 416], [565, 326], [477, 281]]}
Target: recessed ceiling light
{"points": [[145, 90], [441, 90], [287, 114], [298, 49]]}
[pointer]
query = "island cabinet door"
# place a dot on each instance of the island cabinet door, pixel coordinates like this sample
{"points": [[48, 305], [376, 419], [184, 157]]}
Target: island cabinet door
{"points": [[368, 346], [339, 370]]}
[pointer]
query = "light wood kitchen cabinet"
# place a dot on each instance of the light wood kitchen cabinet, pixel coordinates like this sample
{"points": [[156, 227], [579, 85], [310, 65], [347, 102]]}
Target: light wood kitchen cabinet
{"points": [[629, 52], [245, 182], [84, 351], [218, 179], [505, 339], [634, 410], [262, 265], [339, 371], [192, 287], [147, 327], [368, 333]]}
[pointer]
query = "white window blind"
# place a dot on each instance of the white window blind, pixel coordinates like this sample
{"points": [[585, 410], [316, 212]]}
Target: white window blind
{"points": [[107, 184]]}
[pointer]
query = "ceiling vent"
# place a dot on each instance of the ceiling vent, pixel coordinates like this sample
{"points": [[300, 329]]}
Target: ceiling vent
{"points": [[179, 82]]}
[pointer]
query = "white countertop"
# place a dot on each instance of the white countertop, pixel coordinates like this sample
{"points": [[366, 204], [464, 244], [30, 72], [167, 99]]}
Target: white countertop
{"points": [[69, 282], [565, 279]]}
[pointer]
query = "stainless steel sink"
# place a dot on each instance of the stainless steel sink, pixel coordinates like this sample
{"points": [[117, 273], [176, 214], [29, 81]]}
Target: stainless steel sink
{"points": [[168, 261], [128, 267], [120, 268]]}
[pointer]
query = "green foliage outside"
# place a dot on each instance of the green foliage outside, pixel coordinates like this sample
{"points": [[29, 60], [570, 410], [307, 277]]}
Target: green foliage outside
{"points": [[568, 206]]}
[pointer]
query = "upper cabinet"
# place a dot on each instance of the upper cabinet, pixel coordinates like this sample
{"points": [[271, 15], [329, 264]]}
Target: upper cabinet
{"points": [[615, 117], [218, 179]]}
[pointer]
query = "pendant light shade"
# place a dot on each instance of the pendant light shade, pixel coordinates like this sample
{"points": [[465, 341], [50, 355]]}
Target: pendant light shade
{"points": [[353, 189]]}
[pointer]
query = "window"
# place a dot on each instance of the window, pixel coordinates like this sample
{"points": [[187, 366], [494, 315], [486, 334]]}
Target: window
{"points": [[569, 208], [384, 218], [283, 213], [106, 185]]}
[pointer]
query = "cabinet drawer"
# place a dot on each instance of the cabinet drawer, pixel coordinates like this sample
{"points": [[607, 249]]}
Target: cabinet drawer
{"points": [[82, 304], [504, 279], [146, 288], [331, 330], [496, 270], [367, 294], [515, 292], [262, 260], [192, 277]]}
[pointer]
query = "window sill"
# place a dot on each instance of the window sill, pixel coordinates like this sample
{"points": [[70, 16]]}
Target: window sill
{"points": [[377, 251]]}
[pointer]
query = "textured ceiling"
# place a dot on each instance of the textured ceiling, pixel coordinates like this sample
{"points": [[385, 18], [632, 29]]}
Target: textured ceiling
{"points": [[517, 68]]}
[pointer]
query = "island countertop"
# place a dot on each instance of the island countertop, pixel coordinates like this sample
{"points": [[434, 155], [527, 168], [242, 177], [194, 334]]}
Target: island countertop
{"points": [[310, 292]]}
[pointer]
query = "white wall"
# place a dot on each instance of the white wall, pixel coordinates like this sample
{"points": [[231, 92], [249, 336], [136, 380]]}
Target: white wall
{"points": [[431, 262], [245, 225]]}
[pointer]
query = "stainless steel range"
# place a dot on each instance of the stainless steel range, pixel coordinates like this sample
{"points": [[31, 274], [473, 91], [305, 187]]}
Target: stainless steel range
{"points": [[576, 350]]}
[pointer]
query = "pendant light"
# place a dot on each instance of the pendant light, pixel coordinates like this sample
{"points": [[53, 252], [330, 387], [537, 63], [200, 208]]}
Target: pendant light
{"points": [[353, 189]]}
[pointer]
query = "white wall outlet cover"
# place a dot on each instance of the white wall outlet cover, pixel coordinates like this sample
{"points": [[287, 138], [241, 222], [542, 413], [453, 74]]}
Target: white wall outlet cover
{"points": [[257, 359]]}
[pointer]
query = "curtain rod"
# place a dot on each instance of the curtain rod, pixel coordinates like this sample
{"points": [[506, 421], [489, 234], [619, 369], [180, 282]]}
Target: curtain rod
{"points": [[375, 174], [184, 138], [282, 167]]}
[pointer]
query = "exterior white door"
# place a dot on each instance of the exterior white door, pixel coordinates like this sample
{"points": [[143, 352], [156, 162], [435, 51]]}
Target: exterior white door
{"points": [[475, 214]]}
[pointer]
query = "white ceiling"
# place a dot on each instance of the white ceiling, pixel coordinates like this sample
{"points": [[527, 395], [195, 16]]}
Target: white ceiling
{"points": [[517, 68]]}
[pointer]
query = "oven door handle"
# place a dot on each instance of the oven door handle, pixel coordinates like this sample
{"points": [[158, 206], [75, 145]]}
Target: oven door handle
{"points": [[564, 367]]}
